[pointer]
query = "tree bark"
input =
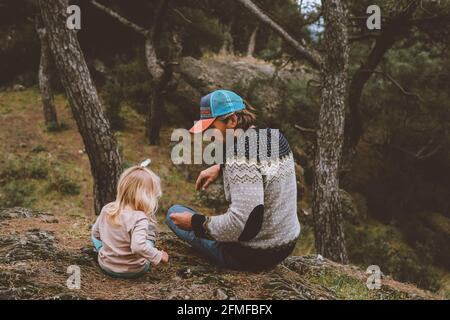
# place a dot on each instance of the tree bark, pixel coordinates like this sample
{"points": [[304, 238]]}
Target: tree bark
{"points": [[328, 220], [44, 75], [252, 42], [160, 79], [333, 66], [160, 72], [100, 144]]}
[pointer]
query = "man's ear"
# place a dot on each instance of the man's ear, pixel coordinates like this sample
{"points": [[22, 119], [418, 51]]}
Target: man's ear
{"points": [[232, 121]]}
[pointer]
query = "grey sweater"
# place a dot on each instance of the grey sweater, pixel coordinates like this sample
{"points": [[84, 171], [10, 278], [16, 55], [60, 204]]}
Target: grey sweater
{"points": [[261, 187]]}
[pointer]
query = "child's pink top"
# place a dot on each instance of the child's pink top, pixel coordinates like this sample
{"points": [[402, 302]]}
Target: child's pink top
{"points": [[125, 247]]}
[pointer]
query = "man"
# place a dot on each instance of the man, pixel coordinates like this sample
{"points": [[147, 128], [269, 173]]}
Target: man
{"points": [[260, 227]]}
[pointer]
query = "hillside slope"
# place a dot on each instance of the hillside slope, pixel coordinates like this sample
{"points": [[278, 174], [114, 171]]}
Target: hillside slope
{"points": [[49, 171], [34, 263]]}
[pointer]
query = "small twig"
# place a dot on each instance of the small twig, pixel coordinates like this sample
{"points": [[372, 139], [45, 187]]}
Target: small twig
{"points": [[277, 70], [177, 11], [121, 19], [363, 37], [397, 84], [423, 9], [308, 84], [302, 129]]}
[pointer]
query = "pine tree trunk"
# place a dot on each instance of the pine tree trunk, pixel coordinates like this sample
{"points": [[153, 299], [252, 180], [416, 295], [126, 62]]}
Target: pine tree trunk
{"points": [[252, 42], [228, 43], [154, 117], [328, 220], [159, 83], [100, 144], [44, 74]]}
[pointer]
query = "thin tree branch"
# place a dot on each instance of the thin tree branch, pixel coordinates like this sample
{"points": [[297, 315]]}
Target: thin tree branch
{"points": [[313, 19], [121, 19], [398, 85], [363, 37], [178, 12], [308, 54], [391, 33], [307, 130], [431, 19]]}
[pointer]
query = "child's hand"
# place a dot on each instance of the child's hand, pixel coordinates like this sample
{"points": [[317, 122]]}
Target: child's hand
{"points": [[165, 257]]}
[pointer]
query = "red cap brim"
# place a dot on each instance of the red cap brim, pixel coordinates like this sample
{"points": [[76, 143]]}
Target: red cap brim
{"points": [[202, 125]]}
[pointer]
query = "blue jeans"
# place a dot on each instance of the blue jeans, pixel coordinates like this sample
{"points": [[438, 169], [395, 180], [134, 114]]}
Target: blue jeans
{"points": [[98, 244], [217, 252]]}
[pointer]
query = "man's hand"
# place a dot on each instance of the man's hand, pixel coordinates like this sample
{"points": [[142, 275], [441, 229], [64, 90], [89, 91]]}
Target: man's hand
{"points": [[165, 257], [206, 177], [182, 220]]}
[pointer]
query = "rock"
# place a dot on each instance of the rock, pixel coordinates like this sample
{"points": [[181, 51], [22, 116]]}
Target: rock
{"points": [[33, 245], [253, 80], [48, 218], [184, 273], [188, 272], [18, 87], [213, 196], [23, 213], [220, 294]]}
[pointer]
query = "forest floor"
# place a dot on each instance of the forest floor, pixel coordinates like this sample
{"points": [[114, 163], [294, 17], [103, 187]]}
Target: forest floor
{"points": [[49, 172]]}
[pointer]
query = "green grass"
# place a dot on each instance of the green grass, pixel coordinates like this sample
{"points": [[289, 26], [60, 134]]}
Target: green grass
{"points": [[348, 288]]}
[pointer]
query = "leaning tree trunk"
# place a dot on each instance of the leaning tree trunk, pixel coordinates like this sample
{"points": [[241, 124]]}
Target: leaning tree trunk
{"points": [[328, 221], [45, 86], [87, 110], [252, 42], [159, 73]]}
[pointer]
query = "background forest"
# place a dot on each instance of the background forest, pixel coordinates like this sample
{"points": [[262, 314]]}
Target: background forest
{"points": [[395, 170]]}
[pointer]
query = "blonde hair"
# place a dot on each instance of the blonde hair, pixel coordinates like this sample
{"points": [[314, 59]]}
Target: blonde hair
{"points": [[138, 188]]}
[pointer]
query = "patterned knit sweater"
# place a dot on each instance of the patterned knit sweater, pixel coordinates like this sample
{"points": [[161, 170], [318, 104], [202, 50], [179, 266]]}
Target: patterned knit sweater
{"points": [[259, 179]]}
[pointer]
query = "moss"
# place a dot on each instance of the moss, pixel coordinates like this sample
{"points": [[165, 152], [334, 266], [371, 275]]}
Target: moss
{"points": [[385, 246], [348, 288]]}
